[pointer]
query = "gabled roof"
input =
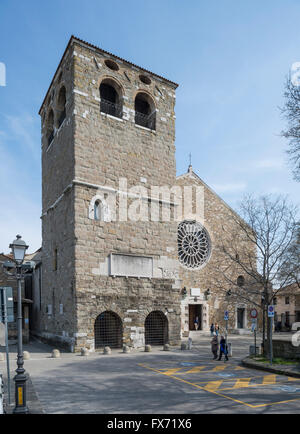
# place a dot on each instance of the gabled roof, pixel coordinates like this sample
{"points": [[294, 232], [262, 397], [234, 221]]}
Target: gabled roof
{"points": [[191, 174]]}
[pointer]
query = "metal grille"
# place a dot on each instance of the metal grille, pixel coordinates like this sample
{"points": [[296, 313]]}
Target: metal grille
{"points": [[147, 121], [284, 322], [111, 108], [50, 137], [62, 117], [108, 330], [156, 329]]}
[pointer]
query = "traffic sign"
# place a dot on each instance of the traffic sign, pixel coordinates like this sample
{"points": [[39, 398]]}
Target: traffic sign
{"points": [[6, 292], [226, 315], [254, 324], [271, 311], [253, 313]]}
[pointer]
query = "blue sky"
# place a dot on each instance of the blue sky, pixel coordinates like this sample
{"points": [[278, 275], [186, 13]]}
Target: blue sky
{"points": [[230, 58]]}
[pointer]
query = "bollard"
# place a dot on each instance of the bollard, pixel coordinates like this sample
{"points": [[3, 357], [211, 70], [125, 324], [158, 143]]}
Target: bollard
{"points": [[147, 348], [166, 347], [84, 352], [107, 350], [26, 355], [126, 349], [55, 354], [183, 346], [190, 343]]}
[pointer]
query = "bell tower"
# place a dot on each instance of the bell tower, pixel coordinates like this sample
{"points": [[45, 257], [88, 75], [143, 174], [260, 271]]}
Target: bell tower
{"points": [[106, 124]]}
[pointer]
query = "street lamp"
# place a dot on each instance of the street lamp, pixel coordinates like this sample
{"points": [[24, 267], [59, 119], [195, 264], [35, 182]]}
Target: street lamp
{"points": [[19, 248], [207, 294]]}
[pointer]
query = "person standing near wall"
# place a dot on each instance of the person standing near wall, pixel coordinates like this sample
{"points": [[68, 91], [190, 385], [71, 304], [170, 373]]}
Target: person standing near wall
{"points": [[214, 346]]}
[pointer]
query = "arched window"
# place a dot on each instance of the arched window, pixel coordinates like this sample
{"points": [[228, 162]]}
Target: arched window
{"points": [[111, 98], [50, 127], [156, 328], [97, 210], [61, 106], [145, 112], [108, 330], [240, 281]]}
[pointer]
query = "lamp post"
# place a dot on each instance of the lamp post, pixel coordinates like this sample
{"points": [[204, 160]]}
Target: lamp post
{"points": [[19, 248], [228, 295]]}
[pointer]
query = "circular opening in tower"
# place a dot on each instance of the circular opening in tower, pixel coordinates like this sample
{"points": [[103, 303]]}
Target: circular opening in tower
{"points": [[194, 245], [111, 65], [144, 79]]}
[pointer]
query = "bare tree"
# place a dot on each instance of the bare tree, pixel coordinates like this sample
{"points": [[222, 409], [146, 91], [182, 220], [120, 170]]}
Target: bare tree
{"points": [[254, 263], [291, 267], [291, 111]]}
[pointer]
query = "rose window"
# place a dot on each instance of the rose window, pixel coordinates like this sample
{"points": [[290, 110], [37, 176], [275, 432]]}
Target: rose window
{"points": [[194, 245]]}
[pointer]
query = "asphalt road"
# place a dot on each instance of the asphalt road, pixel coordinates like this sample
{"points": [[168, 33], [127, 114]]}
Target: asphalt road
{"points": [[175, 382]]}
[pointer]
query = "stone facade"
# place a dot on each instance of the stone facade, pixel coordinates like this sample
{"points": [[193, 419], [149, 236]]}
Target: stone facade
{"points": [[89, 154], [104, 157], [287, 307], [216, 217]]}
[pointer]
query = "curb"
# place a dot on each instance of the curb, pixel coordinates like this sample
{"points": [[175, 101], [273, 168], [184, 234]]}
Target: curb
{"points": [[33, 403], [249, 363]]}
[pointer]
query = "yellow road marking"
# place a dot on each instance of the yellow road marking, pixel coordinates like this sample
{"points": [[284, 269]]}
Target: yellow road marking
{"points": [[195, 369], [198, 387], [269, 379], [220, 394], [219, 368], [172, 371], [241, 382], [213, 385]]}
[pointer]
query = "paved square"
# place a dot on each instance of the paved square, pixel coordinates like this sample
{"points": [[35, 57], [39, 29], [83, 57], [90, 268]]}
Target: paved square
{"points": [[231, 381]]}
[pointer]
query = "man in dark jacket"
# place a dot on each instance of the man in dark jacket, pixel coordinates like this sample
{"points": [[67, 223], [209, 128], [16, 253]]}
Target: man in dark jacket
{"points": [[223, 349]]}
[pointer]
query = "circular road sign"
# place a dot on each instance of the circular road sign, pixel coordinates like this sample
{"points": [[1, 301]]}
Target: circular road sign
{"points": [[253, 313]]}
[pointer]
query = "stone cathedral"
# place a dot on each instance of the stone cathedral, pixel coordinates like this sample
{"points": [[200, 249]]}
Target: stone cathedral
{"points": [[117, 267]]}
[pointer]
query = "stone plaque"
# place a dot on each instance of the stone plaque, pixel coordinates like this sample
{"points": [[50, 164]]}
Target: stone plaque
{"points": [[195, 292], [131, 265]]}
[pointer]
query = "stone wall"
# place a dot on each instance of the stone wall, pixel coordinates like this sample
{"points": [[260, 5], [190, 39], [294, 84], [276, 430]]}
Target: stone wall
{"points": [[90, 152], [97, 156], [285, 349], [217, 217]]}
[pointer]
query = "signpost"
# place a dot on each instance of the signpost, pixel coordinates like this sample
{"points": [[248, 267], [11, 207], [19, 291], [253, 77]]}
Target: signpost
{"points": [[271, 312], [253, 315], [226, 317], [6, 316]]}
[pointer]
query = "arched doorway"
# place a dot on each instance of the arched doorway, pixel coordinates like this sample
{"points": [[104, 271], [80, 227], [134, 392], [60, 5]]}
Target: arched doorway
{"points": [[156, 329], [108, 330]]}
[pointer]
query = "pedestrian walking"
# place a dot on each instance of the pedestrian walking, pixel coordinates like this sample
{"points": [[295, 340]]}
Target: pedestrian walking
{"points": [[217, 329], [212, 329], [214, 346], [223, 349], [196, 323]]}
